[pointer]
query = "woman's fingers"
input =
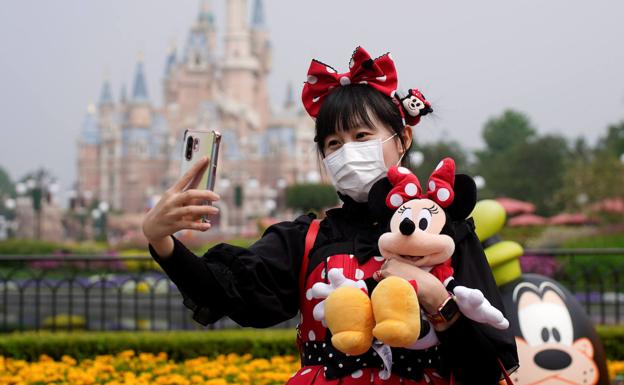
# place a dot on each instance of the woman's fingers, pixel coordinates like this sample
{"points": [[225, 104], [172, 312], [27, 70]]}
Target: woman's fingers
{"points": [[187, 196], [188, 176], [190, 225], [194, 211]]}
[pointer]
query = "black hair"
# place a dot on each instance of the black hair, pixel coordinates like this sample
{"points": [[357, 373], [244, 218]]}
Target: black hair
{"points": [[351, 106]]}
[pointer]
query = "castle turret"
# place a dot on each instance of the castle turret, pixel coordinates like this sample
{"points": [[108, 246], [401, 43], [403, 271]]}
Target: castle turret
{"points": [[139, 109], [240, 66], [171, 60], [139, 89], [261, 46], [106, 95], [88, 144]]}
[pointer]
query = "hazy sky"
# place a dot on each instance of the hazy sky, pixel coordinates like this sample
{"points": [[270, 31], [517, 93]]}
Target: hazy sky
{"points": [[559, 61]]}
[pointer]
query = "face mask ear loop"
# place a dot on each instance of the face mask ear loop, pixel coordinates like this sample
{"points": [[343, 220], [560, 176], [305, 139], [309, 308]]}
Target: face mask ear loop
{"points": [[404, 150]]}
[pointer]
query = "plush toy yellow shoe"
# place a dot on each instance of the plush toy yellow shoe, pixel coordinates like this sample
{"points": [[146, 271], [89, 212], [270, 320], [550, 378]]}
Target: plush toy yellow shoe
{"points": [[349, 316], [397, 312]]}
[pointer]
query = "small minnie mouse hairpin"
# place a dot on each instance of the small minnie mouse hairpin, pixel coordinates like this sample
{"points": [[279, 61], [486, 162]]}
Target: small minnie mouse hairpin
{"points": [[379, 73], [415, 105]]}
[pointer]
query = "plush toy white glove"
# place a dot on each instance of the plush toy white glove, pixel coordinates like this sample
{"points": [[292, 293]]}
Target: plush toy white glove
{"points": [[475, 306], [323, 290]]}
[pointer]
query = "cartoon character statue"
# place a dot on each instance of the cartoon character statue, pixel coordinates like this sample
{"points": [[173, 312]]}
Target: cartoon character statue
{"points": [[417, 236], [556, 341]]}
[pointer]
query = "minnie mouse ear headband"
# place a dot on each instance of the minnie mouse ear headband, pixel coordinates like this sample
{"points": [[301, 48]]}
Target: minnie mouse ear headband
{"points": [[407, 187], [378, 73]]}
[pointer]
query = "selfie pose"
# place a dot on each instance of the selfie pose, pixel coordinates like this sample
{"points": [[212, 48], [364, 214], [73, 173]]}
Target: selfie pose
{"points": [[363, 129]]}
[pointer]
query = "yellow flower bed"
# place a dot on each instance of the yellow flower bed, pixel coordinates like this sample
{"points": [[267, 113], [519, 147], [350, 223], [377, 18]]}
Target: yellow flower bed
{"points": [[145, 368], [616, 369]]}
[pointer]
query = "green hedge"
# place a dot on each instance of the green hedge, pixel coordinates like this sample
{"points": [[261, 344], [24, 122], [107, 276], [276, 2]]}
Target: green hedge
{"points": [[613, 340], [180, 345]]}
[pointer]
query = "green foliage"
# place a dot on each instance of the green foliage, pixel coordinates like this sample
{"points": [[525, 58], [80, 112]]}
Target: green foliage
{"points": [[613, 142], [433, 153], [613, 340], [504, 132], [37, 247], [591, 177], [310, 196], [521, 234], [28, 247], [519, 164], [596, 241], [7, 190], [179, 345]]}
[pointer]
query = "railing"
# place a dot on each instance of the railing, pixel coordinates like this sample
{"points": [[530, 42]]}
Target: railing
{"points": [[92, 293], [132, 293], [594, 276]]}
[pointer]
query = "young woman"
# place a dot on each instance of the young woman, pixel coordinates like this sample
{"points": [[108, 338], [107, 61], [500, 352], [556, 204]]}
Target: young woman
{"points": [[361, 131]]}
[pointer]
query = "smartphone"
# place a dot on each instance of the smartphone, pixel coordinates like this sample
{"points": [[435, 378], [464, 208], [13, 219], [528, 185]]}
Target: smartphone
{"points": [[197, 144]]}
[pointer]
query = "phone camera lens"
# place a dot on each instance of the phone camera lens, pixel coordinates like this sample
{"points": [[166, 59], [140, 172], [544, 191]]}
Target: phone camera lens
{"points": [[189, 148]]}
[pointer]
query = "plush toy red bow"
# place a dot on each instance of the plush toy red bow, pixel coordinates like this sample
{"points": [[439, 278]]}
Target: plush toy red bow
{"points": [[379, 73], [407, 187]]}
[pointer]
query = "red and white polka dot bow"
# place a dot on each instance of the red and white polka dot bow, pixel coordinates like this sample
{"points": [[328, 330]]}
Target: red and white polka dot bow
{"points": [[407, 187], [379, 73]]}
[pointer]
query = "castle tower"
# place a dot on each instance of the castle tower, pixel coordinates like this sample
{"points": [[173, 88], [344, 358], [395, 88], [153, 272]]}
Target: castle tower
{"points": [[190, 80], [109, 137], [261, 49], [135, 137], [88, 154], [239, 65]]}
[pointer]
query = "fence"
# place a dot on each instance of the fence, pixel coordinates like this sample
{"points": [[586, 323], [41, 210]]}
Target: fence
{"points": [[131, 293]]}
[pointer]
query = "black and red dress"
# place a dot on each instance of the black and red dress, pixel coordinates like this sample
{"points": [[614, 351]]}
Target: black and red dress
{"points": [[259, 287]]}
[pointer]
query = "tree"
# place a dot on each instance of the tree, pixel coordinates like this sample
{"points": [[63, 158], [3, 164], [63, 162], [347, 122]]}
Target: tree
{"points": [[519, 164], [591, 180], [311, 196], [503, 132], [7, 190], [433, 153], [613, 142]]}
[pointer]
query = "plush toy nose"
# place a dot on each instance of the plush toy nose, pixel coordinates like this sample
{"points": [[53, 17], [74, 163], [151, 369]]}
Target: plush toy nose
{"points": [[407, 226]]}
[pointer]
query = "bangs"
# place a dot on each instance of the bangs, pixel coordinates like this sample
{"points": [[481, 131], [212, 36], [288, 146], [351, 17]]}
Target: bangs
{"points": [[356, 105]]}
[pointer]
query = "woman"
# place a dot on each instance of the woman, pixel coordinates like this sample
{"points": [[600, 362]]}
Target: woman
{"points": [[361, 131]]}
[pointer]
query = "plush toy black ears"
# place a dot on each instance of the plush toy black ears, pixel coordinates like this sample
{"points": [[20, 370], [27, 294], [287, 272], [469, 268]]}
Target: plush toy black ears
{"points": [[465, 197]]}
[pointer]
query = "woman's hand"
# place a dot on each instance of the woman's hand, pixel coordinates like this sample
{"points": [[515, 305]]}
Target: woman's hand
{"points": [[431, 292], [179, 209]]}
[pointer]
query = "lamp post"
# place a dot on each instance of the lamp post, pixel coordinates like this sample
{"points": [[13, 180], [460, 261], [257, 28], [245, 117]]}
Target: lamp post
{"points": [[39, 187]]}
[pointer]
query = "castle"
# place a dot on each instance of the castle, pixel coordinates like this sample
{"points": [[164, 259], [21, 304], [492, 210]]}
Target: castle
{"points": [[129, 150]]}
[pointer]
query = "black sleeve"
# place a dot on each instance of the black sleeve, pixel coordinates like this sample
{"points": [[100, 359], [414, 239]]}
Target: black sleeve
{"points": [[473, 349], [255, 287]]}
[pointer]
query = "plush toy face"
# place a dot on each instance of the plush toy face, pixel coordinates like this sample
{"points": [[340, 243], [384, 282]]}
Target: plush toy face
{"points": [[414, 235], [413, 105]]}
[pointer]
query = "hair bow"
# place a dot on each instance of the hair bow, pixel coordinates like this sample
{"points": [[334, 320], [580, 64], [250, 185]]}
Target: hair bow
{"points": [[407, 187], [378, 73]]}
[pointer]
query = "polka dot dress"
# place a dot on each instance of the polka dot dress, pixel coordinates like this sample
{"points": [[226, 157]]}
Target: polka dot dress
{"points": [[314, 333]]}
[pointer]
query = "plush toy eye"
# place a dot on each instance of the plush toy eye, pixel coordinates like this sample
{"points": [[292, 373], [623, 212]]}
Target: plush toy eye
{"points": [[407, 213], [424, 219]]}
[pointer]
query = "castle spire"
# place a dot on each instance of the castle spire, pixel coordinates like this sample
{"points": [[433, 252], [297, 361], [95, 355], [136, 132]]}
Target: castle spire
{"points": [[257, 20], [139, 91], [171, 59], [290, 98], [123, 95], [237, 37], [106, 95], [206, 14]]}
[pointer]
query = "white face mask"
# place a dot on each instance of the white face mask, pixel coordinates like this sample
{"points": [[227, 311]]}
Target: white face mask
{"points": [[356, 166]]}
